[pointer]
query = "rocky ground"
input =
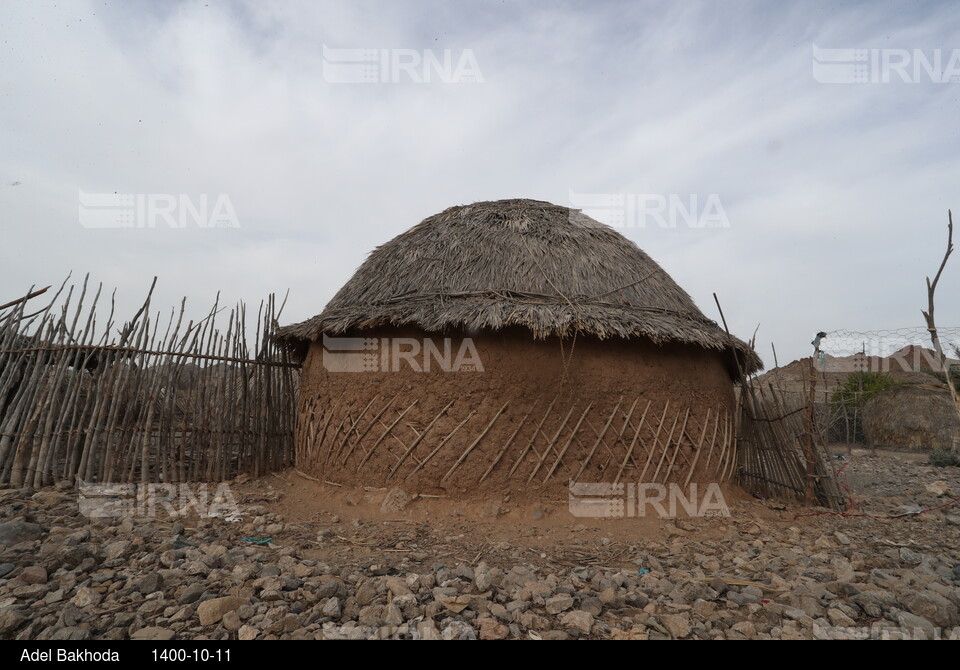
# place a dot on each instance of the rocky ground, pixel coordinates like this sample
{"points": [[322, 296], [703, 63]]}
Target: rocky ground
{"points": [[360, 564]]}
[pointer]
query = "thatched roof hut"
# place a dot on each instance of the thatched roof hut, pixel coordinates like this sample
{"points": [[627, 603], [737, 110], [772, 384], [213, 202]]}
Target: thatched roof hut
{"points": [[595, 364], [527, 263], [912, 416]]}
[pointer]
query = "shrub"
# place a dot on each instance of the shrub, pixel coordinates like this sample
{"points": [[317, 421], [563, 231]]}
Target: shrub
{"points": [[847, 402], [943, 458]]}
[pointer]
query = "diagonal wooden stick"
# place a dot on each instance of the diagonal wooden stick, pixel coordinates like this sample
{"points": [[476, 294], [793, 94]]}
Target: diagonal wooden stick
{"points": [[466, 452], [629, 455], [385, 433], [419, 439], [586, 461], [506, 445]]}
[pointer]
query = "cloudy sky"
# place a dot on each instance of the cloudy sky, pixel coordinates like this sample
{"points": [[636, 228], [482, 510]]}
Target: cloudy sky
{"points": [[832, 198]]}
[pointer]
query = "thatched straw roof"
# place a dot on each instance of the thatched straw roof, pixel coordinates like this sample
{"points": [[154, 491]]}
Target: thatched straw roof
{"points": [[911, 416], [491, 265]]}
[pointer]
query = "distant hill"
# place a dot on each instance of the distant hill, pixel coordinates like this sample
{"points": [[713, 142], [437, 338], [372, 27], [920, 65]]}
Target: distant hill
{"points": [[912, 364]]}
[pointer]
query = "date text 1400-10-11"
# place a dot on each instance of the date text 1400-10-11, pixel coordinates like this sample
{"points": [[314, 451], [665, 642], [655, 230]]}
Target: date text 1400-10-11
{"points": [[191, 655]]}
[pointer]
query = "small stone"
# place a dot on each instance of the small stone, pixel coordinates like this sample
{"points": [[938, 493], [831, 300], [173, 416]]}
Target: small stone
{"points": [[15, 532], [396, 500], [838, 618], [231, 621], [247, 633], [366, 593], [678, 625], [149, 583], [555, 635], [458, 630], [610, 598], [559, 603], [86, 597], [332, 588], [824, 542], [331, 608], [212, 611], [397, 586], [493, 511], [392, 615], [931, 606], [153, 633], [719, 585], [34, 574], [71, 634], [483, 581], [192, 593], [270, 570], [498, 611], [592, 605], [704, 609], [578, 620], [116, 550], [915, 624], [491, 629], [10, 621], [371, 615]]}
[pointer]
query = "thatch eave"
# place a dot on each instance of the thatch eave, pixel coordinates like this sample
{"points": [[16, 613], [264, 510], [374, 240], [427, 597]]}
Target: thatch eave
{"points": [[541, 321]]}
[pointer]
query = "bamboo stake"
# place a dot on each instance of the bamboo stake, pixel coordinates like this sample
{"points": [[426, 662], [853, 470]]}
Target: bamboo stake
{"points": [[586, 461], [546, 451], [413, 445], [567, 445], [440, 446], [533, 437], [656, 441], [696, 457], [629, 455], [467, 451], [673, 456], [385, 433], [506, 445], [373, 422]]}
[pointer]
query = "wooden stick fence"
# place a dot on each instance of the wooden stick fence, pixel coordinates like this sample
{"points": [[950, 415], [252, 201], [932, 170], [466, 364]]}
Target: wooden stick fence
{"points": [[776, 437], [157, 400]]}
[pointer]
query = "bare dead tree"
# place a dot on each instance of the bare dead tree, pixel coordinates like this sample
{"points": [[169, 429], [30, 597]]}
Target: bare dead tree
{"points": [[928, 314]]}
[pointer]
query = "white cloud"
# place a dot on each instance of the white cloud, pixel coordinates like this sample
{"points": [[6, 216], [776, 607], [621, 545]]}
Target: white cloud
{"points": [[836, 194]]}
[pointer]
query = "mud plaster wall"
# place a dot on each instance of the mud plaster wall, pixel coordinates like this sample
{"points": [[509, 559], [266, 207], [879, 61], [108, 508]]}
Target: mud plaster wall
{"points": [[536, 417]]}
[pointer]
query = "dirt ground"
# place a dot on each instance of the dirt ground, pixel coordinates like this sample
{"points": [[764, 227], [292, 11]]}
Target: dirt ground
{"points": [[519, 527]]}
